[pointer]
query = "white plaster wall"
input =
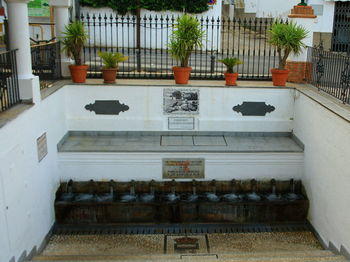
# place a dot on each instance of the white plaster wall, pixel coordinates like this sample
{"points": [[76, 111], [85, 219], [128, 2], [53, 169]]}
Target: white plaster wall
{"points": [[326, 169], [279, 9], [151, 37], [274, 8], [26, 186], [148, 166], [146, 109]]}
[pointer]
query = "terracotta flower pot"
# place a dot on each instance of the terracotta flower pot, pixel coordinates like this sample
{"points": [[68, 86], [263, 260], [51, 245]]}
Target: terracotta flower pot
{"points": [[109, 75], [182, 74], [231, 78], [279, 77], [78, 73]]}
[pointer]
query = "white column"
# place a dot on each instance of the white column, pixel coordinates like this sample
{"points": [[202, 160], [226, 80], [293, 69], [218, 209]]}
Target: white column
{"points": [[61, 15], [311, 25], [17, 11]]}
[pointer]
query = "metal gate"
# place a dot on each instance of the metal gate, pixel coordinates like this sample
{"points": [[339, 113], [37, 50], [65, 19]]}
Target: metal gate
{"points": [[341, 29]]}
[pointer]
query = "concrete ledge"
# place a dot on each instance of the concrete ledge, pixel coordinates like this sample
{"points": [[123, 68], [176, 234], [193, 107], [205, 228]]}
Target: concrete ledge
{"points": [[327, 101]]}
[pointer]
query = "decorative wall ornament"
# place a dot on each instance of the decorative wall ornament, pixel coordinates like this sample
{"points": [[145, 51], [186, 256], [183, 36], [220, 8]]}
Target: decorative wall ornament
{"points": [[253, 108], [107, 107], [181, 101]]}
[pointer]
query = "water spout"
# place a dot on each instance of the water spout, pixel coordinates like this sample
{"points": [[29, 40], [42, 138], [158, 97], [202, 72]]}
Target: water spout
{"points": [[173, 186], [132, 187], [92, 186], [194, 187], [291, 195], [69, 186], [111, 188], [253, 196], [151, 186], [273, 196]]}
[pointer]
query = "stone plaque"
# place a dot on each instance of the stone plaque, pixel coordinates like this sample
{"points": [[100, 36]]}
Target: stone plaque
{"points": [[42, 147], [179, 168], [180, 101], [181, 123]]}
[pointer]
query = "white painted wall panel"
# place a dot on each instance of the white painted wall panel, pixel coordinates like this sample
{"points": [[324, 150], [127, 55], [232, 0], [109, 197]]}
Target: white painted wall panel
{"points": [[28, 186], [146, 109], [326, 172], [148, 166]]}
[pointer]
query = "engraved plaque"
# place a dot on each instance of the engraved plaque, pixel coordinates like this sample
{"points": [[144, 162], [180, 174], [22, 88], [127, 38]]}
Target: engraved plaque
{"points": [[181, 168], [181, 123], [180, 101], [42, 147]]}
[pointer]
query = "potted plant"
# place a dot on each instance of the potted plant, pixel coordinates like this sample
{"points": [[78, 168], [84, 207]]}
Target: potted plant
{"points": [[230, 76], [110, 61], [73, 42], [287, 38], [186, 36]]}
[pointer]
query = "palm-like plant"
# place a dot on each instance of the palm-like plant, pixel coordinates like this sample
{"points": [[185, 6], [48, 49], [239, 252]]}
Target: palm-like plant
{"points": [[230, 63], [73, 40], [111, 60], [187, 36], [287, 38]]}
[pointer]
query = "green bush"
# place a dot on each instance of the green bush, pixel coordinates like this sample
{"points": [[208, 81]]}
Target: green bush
{"points": [[73, 40], [186, 36], [111, 60], [287, 38], [230, 63], [124, 6]]}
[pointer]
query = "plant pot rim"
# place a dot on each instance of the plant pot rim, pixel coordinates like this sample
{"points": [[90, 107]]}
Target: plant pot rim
{"points": [[110, 68], [277, 69], [181, 67], [78, 65]]}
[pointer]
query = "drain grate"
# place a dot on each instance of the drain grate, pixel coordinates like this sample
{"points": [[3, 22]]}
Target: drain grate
{"points": [[146, 229]]}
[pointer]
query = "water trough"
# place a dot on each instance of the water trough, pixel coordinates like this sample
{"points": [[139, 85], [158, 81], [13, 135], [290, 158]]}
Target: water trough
{"points": [[234, 201]]}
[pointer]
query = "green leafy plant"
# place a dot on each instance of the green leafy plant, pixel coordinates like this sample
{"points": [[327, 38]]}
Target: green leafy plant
{"points": [[287, 38], [73, 40], [186, 36], [111, 60], [302, 3], [230, 63]]}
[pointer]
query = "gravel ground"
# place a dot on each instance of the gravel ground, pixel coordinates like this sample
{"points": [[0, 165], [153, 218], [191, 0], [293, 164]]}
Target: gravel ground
{"points": [[261, 242], [154, 244], [104, 245]]}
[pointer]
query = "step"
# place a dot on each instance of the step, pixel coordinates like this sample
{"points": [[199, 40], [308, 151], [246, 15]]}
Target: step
{"points": [[311, 253], [219, 142], [139, 155], [314, 253]]}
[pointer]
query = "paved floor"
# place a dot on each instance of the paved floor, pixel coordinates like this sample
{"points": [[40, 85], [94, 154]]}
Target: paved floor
{"points": [[177, 142]]}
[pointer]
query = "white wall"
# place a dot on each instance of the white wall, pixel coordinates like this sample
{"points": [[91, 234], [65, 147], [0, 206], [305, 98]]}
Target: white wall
{"points": [[27, 187], [326, 169], [146, 109], [219, 166], [151, 37], [276, 9]]}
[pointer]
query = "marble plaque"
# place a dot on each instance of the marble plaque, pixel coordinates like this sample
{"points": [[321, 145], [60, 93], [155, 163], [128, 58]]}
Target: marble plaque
{"points": [[181, 123], [182, 168], [42, 147]]}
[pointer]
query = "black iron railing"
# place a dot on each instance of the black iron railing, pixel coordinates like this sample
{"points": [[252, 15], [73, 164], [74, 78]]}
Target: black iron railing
{"points": [[330, 72], [145, 41], [9, 90], [46, 63]]}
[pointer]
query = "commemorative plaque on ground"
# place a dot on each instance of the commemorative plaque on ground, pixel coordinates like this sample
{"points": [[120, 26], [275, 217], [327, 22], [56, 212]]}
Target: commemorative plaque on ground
{"points": [[177, 168]]}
